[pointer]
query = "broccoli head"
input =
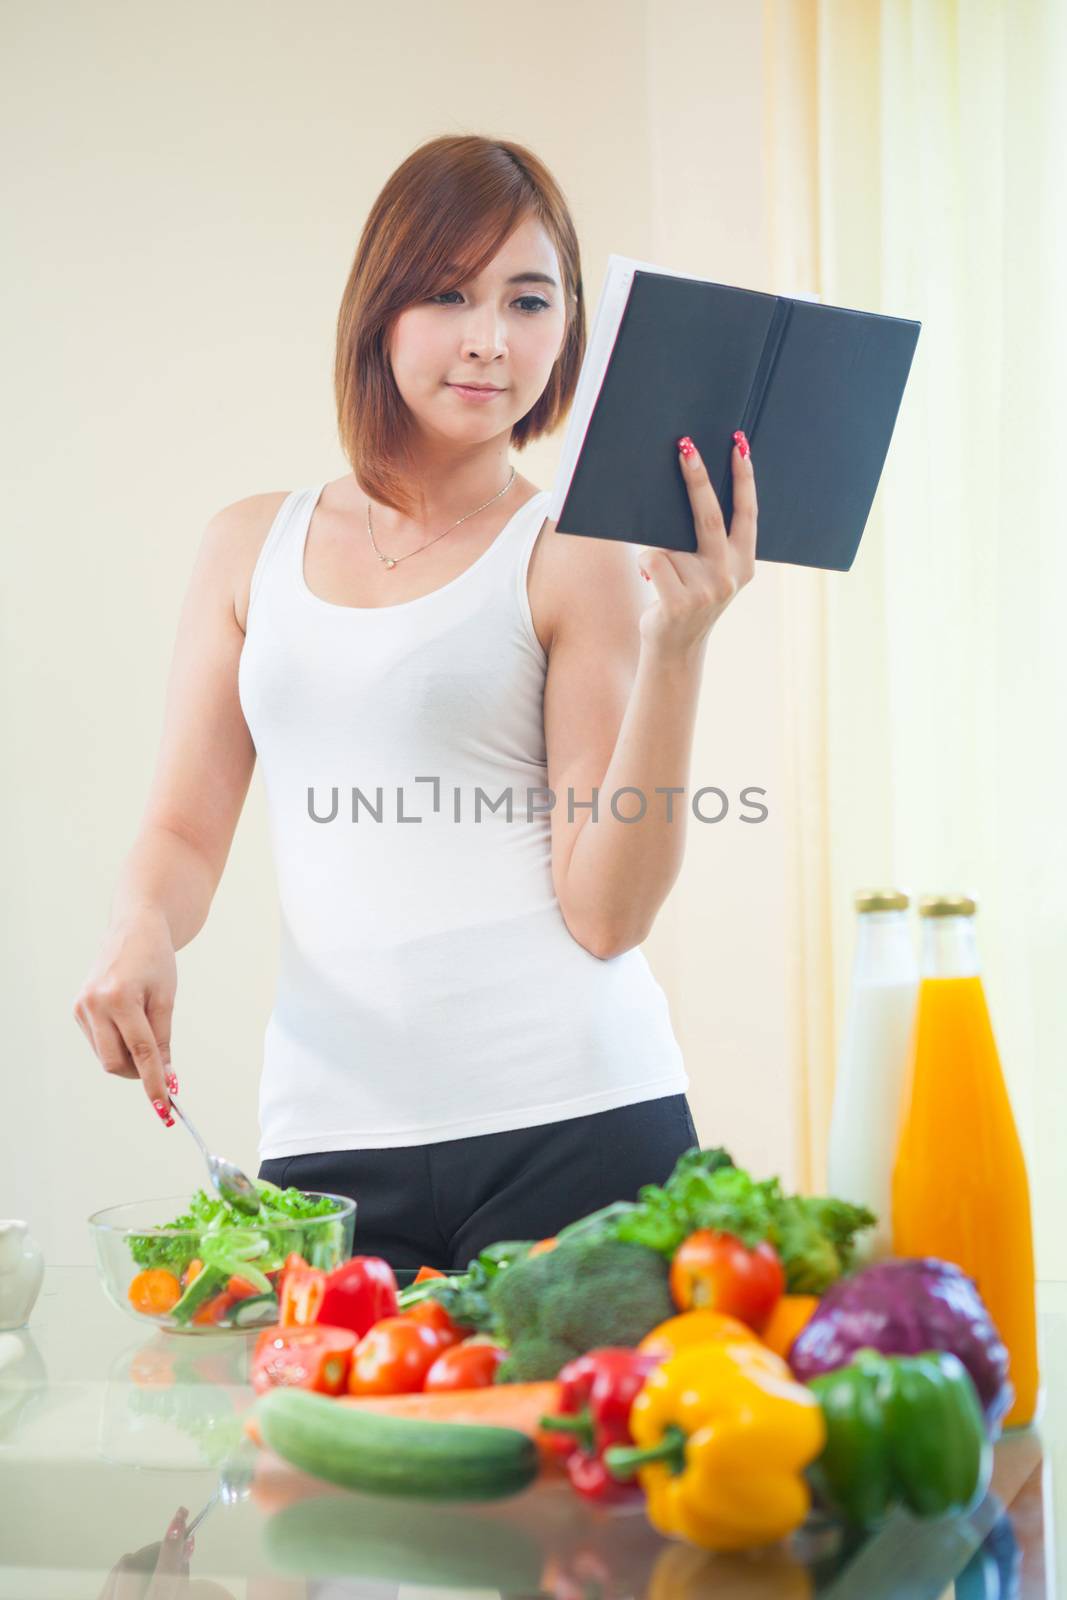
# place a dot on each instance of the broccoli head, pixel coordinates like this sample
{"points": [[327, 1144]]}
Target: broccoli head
{"points": [[585, 1293]]}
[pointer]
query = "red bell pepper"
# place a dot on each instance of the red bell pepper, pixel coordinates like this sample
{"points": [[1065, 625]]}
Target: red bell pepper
{"points": [[356, 1294], [301, 1292], [359, 1293], [596, 1393], [317, 1358]]}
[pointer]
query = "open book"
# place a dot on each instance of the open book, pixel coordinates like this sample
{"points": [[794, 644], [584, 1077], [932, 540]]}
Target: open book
{"points": [[815, 387]]}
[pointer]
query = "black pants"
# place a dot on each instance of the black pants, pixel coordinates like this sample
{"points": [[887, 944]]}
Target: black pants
{"points": [[437, 1205]]}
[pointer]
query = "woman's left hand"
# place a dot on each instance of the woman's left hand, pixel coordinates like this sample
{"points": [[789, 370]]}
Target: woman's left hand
{"points": [[693, 588]]}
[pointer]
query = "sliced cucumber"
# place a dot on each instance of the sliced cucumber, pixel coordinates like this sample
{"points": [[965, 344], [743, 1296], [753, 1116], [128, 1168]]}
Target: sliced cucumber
{"points": [[259, 1308], [208, 1281]]}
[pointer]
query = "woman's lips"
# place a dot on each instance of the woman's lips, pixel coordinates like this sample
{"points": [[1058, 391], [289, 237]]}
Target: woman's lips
{"points": [[475, 394]]}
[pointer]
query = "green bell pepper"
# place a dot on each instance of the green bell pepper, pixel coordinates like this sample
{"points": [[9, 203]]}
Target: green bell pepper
{"points": [[900, 1429]]}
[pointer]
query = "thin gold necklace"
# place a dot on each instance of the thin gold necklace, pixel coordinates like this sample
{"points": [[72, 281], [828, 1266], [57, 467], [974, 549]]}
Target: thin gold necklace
{"points": [[391, 561]]}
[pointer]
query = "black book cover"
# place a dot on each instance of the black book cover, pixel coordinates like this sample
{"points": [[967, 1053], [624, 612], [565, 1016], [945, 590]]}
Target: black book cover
{"points": [[815, 387]]}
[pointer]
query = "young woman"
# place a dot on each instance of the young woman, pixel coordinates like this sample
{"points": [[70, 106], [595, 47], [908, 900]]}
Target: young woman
{"points": [[445, 695]]}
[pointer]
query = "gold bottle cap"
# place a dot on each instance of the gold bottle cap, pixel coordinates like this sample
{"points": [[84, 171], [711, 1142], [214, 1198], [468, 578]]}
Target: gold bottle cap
{"points": [[947, 905], [881, 900]]}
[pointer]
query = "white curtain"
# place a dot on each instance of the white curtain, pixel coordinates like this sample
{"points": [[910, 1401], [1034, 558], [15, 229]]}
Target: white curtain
{"points": [[916, 166]]}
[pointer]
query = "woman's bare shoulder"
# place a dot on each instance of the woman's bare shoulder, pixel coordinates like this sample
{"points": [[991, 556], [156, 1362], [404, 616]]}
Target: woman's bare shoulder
{"points": [[240, 530], [569, 571]]}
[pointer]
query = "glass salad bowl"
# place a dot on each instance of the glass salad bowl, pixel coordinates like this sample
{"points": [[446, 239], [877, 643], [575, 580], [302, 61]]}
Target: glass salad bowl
{"points": [[211, 1269]]}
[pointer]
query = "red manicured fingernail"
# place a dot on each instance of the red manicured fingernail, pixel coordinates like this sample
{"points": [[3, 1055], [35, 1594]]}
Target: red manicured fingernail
{"points": [[189, 1546], [172, 1083], [644, 574], [163, 1113], [742, 443], [686, 446]]}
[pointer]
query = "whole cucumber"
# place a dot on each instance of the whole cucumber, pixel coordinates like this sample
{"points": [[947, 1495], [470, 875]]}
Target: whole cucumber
{"points": [[395, 1455]]}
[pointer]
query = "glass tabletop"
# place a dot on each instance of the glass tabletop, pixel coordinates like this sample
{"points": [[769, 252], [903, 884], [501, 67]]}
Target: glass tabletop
{"points": [[105, 1433]]}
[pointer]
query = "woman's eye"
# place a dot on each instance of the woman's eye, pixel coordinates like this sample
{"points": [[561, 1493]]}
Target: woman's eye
{"points": [[531, 303]]}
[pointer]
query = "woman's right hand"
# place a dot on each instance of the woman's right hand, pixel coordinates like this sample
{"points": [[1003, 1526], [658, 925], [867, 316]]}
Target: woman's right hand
{"points": [[125, 1006]]}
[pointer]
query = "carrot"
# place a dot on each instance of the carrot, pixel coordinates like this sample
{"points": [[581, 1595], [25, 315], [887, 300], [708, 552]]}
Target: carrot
{"points": [[500, 1405], [790, 1314], [154, 1292]]}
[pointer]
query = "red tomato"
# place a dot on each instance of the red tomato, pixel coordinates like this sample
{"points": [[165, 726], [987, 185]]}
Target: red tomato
{"points": [[215, 1309], [241, 1289], [432, 1314], [393, 1357], [465, 1366], [718, 1271], [316, 1358], [428, 1272]]}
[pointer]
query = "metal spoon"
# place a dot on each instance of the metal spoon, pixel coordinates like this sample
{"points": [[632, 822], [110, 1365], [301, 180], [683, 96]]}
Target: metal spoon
{"points": [[232, 1184], [235, 1484]]}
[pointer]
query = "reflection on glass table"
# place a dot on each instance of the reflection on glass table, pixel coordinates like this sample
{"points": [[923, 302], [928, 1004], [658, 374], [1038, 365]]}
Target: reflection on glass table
{"points": [[105, 1442]]}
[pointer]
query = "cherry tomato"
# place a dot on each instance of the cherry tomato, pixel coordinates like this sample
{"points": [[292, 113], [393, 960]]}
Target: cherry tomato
{"points": [[720, 1272], [394, 1357], [432, 1314], [465, 1366], [428, 1272]]}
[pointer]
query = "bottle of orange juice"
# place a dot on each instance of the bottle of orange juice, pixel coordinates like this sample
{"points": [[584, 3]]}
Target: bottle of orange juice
{"points": [[960, 1188]]}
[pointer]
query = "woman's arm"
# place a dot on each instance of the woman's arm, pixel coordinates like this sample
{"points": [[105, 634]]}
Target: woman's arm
{"points": [[203, 770], [617, 873], [616, 714], [206, 756], [165, 875], [621, 697]]}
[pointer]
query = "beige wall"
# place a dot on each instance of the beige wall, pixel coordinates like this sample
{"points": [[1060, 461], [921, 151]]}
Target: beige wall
{"points": [[185, 205]]}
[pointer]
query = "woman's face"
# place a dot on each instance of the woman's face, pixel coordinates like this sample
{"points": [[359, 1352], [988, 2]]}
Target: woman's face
{"points": [[486, 331]]}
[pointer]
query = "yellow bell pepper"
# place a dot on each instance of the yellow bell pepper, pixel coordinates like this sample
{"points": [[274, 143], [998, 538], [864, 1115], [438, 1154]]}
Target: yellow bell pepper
{"points": [[682, 1572], [702, 1326], [722, 1435]]}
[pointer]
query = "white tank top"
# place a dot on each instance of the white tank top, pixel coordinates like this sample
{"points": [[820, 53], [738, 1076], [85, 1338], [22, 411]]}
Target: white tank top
{"points": [[428, 985]]}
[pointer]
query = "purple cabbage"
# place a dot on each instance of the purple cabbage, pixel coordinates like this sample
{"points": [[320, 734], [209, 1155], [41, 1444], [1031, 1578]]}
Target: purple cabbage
{"points": [[903, 1307]]}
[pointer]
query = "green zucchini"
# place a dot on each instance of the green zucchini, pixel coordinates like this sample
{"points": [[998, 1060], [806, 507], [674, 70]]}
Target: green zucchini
{"points": [[395, 1455]]}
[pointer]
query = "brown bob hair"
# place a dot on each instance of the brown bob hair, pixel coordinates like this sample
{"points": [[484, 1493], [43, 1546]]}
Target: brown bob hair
{"points": [[454, 200]]}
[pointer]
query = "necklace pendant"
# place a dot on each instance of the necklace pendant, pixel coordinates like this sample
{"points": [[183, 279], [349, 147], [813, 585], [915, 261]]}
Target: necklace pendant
{"points": [[389, 561]]}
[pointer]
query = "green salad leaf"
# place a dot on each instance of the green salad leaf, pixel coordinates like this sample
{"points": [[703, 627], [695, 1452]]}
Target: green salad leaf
{"points": [[216, 1232], [813, 1234]]}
